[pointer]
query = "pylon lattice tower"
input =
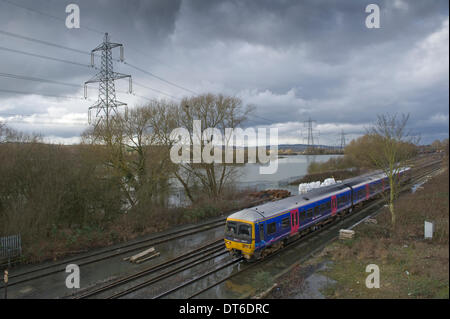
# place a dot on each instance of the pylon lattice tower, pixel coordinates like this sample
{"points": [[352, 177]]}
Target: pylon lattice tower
{"points": [[309, 124], [106, 105], [342, 140]]}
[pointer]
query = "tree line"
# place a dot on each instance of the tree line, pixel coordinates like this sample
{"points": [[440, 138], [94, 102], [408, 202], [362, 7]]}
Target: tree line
{"points": [[121, 167]]}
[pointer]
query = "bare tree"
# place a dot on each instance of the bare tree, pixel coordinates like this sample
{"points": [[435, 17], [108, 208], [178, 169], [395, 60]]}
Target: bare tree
{"points": [[391, 147], [216, 112], [134, 152]]}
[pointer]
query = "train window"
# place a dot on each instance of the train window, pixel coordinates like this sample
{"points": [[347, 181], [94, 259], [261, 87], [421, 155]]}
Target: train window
{"points": [[316, 211], [231, 228], [261, 232], [361, 193], [328, 205], [245, 230], [271, 228], [285, 222], [323, 207], [302, 216], [309, 213]]}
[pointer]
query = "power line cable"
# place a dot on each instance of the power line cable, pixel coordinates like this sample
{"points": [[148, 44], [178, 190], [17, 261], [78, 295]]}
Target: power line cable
{"points": [[19, 36], [71, 62], [83, 26], [49, 15], [44, 57], [42, 94], [262, 118], [156, 90], [46, 123], [30, 78], [89, 53], [26, 78], [159, 78]]}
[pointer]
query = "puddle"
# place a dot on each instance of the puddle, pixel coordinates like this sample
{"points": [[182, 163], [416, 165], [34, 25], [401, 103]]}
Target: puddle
{"points": [[315, 282], [417, 186]]}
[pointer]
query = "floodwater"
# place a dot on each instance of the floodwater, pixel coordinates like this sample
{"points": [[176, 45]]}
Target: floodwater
{"points": [[53, 286], [290, 168]]}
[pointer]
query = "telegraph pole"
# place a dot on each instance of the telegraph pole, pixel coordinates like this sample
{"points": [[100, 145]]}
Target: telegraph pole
{"points": [[106, 105]]}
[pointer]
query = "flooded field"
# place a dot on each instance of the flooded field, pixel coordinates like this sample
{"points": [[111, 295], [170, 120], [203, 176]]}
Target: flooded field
{"points": [[290, 168]]}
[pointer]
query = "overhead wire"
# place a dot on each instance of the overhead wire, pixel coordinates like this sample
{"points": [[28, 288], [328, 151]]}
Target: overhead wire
{"points": [[49, 15], [43, 94], [44, 57], [85, 52], [86, 65], [158, 77]]}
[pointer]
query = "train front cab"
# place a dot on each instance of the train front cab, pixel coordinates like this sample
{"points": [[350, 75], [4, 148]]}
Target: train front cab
{"points": [[240, 237]]}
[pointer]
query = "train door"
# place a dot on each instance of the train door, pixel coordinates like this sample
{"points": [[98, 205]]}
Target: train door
{"points": [[294, 221], [333, 205], [382, 184], [367, 191], [261, 232]]}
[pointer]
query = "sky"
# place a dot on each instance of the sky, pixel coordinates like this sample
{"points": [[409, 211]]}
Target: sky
{"points": [[292, 60]]}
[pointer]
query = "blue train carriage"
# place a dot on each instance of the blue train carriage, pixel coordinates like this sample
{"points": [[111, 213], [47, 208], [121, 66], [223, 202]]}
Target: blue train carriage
{"points": [[372, 185], [366, 187], [257, 231]]}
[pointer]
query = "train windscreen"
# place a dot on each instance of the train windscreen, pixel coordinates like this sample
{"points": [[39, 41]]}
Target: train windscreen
{"points": [[239, 230]]}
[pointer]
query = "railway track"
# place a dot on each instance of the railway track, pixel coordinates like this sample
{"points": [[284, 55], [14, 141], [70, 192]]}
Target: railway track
{"points": [[355, 218], [188, 260], [114, 251], [197, 255], [40, 272]]}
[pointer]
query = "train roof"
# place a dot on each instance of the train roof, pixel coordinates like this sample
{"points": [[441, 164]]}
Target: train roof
{"points": [[269, 209], [362, 179]]}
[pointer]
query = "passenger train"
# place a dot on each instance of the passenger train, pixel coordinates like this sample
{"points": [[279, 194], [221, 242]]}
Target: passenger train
{"points": [[257, 231]]}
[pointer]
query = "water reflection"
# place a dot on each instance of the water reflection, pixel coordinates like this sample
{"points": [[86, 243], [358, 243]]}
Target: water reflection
{"points": [[290, 168]]}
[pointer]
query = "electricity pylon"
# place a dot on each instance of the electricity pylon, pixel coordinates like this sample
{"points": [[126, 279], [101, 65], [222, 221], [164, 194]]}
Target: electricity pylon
{"points": [[106, 105], [309, 124], [342, 140]]}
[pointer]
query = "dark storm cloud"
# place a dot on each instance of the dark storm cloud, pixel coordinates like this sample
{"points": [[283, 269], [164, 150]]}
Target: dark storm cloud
{"points": [[292, 59], [330, 29]]}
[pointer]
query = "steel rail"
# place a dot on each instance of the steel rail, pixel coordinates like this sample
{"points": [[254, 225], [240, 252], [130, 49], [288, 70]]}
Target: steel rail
{"points": [[186, 256], [147, 242], [165, 275]]}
